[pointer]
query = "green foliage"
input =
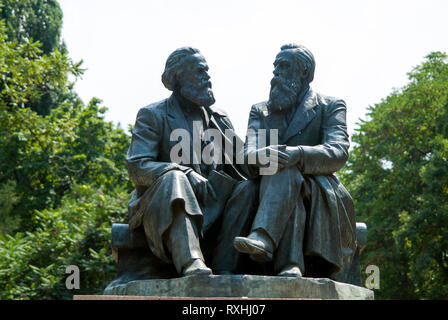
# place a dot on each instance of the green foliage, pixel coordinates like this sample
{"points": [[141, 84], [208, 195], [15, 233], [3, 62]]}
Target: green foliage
{"points": [[46, 155], [32, 264], [63, 176], [8, 198], [36, 20], [32, 79], [398, 175]]}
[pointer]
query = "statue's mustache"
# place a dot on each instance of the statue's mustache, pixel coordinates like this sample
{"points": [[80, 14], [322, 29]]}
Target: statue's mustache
{"points": [[199, 86], [284, 84], [276, 81], [205, 84]]}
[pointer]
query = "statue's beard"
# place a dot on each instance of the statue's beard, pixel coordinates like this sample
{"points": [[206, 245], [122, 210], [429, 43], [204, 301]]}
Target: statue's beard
{"points": [[283, 94], [200, 94]]}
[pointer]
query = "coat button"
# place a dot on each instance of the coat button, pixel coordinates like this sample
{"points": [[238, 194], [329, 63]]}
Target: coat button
{"points": [[300, 131]]}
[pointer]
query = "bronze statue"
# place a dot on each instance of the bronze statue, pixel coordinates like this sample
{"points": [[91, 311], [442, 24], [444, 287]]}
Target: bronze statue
{"points": [[225, 213], [178, 204], [305, 221]]}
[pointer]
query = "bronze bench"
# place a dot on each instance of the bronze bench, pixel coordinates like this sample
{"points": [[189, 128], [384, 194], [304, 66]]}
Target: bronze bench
{"points": [[136, 262]]}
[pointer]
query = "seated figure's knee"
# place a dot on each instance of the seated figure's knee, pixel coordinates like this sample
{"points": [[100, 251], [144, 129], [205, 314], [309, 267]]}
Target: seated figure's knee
{"points": [[294, 171], [175, 174], [175, 178], [286, 175]]}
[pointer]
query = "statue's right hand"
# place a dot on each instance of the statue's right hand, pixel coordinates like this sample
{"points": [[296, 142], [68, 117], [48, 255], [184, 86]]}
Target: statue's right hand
{"points": [[273, 155], [200, 185]]}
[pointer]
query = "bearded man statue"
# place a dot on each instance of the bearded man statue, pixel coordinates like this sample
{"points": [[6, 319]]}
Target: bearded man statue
{"points": [[178, 204], [305, 222]]}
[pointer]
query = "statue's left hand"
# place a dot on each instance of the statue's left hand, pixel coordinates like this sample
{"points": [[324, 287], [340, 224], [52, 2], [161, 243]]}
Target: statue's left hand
{"points": [[294, 156], [201, 186]]}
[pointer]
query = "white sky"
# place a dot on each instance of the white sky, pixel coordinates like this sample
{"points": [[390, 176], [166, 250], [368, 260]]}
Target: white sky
{"points": [[363, 49]]}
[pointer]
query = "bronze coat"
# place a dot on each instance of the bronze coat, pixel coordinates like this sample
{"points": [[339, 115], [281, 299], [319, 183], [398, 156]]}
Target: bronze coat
{"points": [[148, 161], [318, 126]]}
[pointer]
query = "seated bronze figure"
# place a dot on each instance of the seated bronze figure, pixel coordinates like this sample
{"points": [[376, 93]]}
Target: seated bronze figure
{"points": [[230, 216]]}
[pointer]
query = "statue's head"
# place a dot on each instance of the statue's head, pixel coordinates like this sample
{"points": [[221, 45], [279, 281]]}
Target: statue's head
{"points": [[293, 71], [186, 72]]}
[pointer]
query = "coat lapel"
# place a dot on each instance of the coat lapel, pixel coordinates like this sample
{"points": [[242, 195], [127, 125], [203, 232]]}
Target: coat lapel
{"points": [[274, 120], [176, 120], [302, 116], [228, 158]]}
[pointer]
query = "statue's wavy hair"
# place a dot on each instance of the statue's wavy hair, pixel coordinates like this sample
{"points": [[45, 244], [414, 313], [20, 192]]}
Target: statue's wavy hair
{"points": [[174, 64], [304, 58]]}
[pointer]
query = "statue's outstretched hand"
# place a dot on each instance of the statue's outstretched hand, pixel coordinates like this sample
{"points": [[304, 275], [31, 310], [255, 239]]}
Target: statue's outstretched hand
{"points": [[294, 154], [270, 156]]}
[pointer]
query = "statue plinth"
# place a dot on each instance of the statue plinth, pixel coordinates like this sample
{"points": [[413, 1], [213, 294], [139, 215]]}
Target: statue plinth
{"points": [[250, 286], [138, 269]]}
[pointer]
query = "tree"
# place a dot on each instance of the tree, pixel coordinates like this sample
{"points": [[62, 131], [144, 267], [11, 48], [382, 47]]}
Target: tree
{"points": [[36, 20], [398, 176], [32, 30], [45, 156], [63, 177], [33, 264], [42, 155]]}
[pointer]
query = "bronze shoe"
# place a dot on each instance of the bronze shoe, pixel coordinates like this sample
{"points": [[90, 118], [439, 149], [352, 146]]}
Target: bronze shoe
{"points": [[259, 248], [290, 271], [198, 268]]}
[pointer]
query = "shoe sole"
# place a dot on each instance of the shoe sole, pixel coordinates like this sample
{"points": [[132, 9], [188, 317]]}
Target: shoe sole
{"points": [[291, 272], [199, 272], [257, 253], [290, 275]]}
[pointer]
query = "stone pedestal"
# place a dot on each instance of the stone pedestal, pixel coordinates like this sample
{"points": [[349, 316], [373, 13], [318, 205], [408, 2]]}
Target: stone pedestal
{"points": [[141, 274], [238, 286]]}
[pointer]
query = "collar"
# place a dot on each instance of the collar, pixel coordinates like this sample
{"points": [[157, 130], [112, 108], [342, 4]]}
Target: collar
{"points": [[187, 106]]}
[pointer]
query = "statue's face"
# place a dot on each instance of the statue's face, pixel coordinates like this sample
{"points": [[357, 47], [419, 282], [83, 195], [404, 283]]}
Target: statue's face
{"points": [[194, 81], [286, 84]]}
